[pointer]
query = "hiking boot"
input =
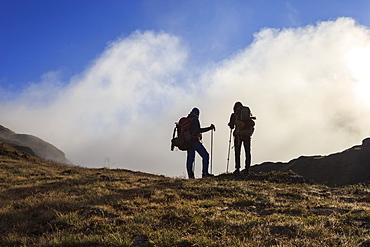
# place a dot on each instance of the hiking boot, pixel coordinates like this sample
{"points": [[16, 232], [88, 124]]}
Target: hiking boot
{"points": [[245, 172], [207, 175], [236, 172]]}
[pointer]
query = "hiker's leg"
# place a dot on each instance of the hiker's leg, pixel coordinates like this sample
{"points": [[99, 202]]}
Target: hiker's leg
{"points": [[189, 162], [198, 146], [247, 149], [237, 148]]}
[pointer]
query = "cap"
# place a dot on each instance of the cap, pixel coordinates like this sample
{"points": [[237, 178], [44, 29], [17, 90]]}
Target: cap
{"points": [[195, 112], [237, 105]]}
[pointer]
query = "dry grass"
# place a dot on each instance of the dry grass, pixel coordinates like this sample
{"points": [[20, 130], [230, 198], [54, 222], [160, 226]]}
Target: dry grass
{"points": [[47, 204]]}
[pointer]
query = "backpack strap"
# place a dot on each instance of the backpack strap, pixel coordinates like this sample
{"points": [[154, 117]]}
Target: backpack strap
{"points": [[174, 130], [173, 137]]}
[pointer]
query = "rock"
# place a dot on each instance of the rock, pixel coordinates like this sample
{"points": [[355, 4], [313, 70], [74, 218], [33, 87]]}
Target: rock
{"points": [[143, 180], [282, 230], [141, 241]]}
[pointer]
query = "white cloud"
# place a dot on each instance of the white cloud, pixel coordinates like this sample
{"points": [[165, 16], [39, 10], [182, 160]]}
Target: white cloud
{"points": [[299, 83]]}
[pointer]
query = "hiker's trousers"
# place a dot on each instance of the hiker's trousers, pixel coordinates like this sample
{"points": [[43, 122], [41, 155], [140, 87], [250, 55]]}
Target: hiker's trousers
{"points": [[201, 150], [246, 141]]}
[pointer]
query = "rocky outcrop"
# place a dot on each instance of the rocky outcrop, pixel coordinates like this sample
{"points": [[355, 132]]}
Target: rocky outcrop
{"points": [[32, 145], [348, 167]]}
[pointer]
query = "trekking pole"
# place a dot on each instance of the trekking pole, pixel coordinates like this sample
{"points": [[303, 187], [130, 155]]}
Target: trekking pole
{"points": [[228, 153], [211, 148]]}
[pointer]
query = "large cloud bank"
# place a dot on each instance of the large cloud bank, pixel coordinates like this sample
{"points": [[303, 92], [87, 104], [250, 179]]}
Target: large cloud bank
{"points": [[303, 84]]}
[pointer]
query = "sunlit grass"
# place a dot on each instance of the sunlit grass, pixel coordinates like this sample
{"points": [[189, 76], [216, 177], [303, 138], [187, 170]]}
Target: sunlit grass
{"points": [[47, 204]]}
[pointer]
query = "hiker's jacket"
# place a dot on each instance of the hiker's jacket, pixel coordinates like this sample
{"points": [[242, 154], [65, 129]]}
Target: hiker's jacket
{"points": [[232, 121], [195, 128], [232, 124]]}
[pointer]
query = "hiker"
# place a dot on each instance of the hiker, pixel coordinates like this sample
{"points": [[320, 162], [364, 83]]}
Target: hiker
{"points": [[196, 132], [244, 128]]}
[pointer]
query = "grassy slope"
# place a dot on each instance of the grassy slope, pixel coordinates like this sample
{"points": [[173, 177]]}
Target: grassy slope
{"points": [[48, 204]]}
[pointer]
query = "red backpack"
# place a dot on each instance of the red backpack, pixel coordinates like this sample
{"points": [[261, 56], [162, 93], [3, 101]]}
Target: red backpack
{"points": [[184, 137]]}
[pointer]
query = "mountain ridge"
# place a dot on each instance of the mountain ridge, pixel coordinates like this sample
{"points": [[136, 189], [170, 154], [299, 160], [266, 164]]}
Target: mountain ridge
{"points": [[350, 166], [32, 145]]}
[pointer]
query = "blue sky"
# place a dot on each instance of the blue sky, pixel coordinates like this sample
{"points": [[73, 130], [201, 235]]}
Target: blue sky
{"points": [[88, 76], [42, 35]]}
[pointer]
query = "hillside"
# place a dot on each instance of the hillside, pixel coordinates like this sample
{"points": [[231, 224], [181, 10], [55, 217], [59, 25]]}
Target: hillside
{"points": [[348, 167], [32, 145], [49, 204]]}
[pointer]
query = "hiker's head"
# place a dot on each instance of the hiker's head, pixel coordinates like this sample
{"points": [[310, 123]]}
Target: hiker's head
{"points": [[237, 105], [195, 112]]}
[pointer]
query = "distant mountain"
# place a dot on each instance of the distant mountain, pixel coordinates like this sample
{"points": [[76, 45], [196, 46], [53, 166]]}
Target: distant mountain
{"points": [[32, 145], [348, 167]]}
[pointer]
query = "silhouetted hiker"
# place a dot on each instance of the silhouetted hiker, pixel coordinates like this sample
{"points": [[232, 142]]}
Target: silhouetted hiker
{"points": [[241, 119], [196, 133]]}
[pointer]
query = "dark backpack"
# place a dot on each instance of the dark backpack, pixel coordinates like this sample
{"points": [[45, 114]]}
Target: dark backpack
{"points": [[183, 141], [244, 119]]}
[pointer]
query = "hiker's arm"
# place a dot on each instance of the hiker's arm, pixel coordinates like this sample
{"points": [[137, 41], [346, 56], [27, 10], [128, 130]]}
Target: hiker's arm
{"points": [[232, 121], [198, 129], [211, 127], [202, 130]]}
